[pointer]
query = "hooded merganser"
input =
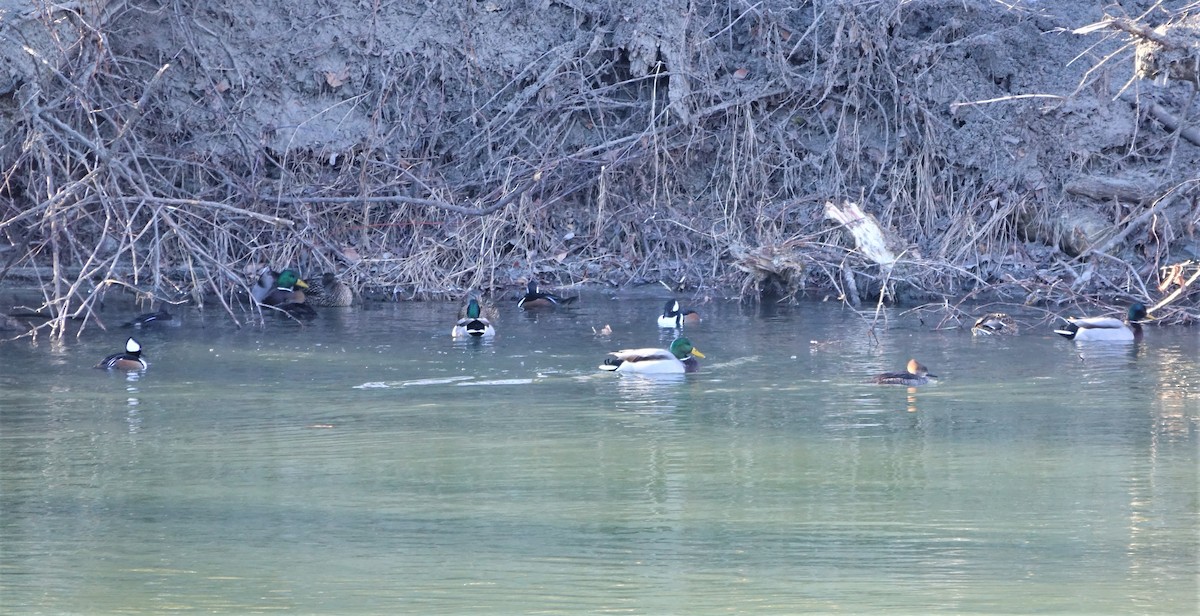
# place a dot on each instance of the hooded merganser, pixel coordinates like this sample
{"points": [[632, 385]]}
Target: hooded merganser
{"points": [[673, 316], [917, 374], [131, 359], [537, 299]]}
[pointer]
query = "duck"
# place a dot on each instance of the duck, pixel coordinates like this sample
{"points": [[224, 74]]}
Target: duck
{"points": [[473, 324], [329, 291], [285, 289], [162, 317], [264, 285], [535, 298], [994, 323], [917, 374], [673, 316], [1107, 328], [287, 295], [679, 359], [131, 359]]}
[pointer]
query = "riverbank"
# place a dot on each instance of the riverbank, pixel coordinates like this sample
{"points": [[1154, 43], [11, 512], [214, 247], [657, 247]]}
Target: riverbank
{"points": [[1003, 153]]}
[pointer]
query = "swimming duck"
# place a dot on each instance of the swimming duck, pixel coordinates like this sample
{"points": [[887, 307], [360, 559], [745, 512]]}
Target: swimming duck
{"points": [[537, 299], [162, 317], [285, 290], [329, 291], [264, 285], [678, 360], [287, 297], [1107, 328], [131, 359], [994, 323], [672, 316], [473, 324], [917, 374]]}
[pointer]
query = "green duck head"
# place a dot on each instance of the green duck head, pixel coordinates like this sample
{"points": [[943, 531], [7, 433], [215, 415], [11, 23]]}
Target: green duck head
{"points": [[473, 309], [289, 280], [682, 348], [1137, 313]]}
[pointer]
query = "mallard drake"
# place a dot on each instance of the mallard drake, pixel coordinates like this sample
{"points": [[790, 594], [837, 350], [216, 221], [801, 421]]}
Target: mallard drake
{"points": [[994, 323], [678, 360], [131, 359], [673, 316], [1107, 328], [287, 295], [536, 299], [917, 374], [285, 290], [472, 323], [329, 291], [162, 317]]}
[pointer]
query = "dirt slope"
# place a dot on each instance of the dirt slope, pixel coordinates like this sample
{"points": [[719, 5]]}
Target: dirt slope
{"points": [[444, 146]]}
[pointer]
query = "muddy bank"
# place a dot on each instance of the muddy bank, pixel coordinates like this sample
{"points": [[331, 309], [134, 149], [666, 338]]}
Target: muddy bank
{"points": [[173, 150]]}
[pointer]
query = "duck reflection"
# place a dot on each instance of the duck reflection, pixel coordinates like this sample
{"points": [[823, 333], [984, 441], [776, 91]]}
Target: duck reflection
{"points": [[133, 417], [650, 395]]}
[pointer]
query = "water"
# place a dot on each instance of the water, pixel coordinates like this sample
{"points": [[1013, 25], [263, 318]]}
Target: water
{"points": [[369, 464]]}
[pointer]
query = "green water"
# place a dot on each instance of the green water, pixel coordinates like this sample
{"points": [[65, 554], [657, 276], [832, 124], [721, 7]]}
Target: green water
{"points": [[370, 464]]}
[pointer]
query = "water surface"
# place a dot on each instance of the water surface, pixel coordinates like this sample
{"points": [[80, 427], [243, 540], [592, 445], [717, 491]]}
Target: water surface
{"points": [[370, 464]]}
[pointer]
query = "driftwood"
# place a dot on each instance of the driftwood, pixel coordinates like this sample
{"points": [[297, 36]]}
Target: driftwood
{"points": [[1108, 189], [868, 235], [1166, 118]]}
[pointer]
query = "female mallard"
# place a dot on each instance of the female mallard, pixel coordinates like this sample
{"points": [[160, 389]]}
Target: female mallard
{"points": [[1107, 328], [994, 323], [917, 374], [673, 316], [131, 359], [329, 291], [473, 324], [536, 299], [678, 360]]}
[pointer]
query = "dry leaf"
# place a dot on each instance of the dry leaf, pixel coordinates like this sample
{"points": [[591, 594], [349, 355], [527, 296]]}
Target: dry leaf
{"points": [[741, 73], [337, 78]]}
